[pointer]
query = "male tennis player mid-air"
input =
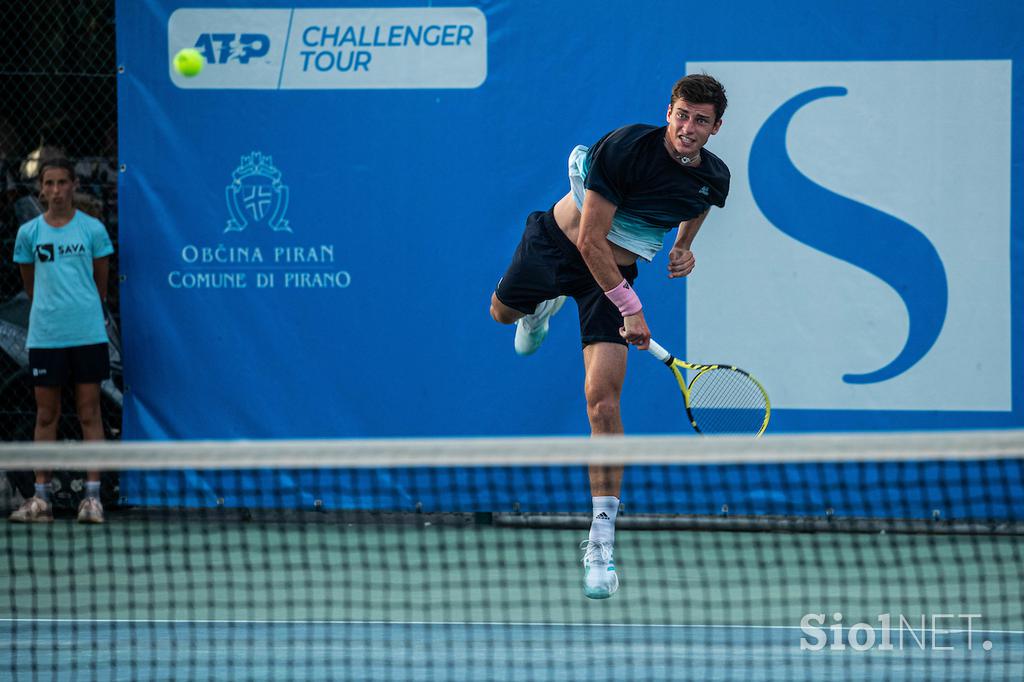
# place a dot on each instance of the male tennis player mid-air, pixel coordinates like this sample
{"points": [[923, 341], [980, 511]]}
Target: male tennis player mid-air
{"points": [[627, 191]]}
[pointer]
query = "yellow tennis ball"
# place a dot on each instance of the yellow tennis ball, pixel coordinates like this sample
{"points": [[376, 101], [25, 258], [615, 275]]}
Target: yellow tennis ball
{"points": [[188, 62]]}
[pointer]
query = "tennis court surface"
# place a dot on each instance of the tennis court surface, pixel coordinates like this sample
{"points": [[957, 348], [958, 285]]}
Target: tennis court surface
{"points": [[896, 557]]}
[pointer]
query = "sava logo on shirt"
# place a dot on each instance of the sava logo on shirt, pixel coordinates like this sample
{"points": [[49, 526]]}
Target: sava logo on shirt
{"points": [[71, 250], [45, 252]]}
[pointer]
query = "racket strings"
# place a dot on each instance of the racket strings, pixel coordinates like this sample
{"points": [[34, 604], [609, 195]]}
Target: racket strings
{"points": [[724, 400]]}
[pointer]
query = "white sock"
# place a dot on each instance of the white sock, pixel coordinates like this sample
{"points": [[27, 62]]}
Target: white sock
{"points": [[43, 491], [92, 489], [602, 524]]}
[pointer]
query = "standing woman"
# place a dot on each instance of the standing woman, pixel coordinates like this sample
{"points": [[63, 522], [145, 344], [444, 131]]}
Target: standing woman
{"points": [[63, 257]]}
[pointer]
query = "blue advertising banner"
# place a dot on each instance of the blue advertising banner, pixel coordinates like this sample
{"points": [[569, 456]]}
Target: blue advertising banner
{"points": [[311, 228]]}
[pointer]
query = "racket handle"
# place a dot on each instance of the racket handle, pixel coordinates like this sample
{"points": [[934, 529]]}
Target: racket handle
{"points": [[657, 351]]}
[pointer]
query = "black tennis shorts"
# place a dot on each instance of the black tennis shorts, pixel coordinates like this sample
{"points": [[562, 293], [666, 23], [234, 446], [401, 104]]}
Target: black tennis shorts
{"points": [[73, 365], [545, 265]]}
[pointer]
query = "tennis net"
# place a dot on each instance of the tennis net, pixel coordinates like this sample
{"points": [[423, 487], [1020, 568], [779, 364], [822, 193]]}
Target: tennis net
{"points": [[849, 557]]}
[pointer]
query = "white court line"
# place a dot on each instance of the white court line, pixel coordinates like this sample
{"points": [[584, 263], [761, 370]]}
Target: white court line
{"points": [[171, 621]]}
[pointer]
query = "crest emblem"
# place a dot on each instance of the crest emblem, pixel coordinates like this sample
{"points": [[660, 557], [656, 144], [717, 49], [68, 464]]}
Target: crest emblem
{"points": [[256, 195]]}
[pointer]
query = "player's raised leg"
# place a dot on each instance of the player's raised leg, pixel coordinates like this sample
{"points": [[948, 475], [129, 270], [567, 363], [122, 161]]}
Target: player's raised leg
{"points": [[531, 329], [530, 292]]}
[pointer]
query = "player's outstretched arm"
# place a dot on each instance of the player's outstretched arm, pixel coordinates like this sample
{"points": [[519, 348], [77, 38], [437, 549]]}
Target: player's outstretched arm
{"points": [[595, 224]]}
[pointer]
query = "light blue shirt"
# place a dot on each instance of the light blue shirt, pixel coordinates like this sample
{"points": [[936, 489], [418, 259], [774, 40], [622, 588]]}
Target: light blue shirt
{"points": [[66, 307]]}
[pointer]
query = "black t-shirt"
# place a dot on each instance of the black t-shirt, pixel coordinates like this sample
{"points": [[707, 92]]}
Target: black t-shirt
{"points": [[631, 168]]}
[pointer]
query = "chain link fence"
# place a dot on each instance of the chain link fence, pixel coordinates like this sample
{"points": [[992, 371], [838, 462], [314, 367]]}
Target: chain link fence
{"points": [[58, 97]]}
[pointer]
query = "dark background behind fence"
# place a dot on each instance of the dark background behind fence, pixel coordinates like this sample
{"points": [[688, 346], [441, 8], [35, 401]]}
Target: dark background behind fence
{"points": [[58, 97]]}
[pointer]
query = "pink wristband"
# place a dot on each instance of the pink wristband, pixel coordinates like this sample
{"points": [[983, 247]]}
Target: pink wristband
{"points": [[625, 298]]}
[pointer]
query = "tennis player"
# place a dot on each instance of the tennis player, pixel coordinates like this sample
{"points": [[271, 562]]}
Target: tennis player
{"points": [[626, 192], [63, 257]]}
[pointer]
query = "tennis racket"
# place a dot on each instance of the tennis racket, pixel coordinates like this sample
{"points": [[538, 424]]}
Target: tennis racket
{"points": [[719, 398]]}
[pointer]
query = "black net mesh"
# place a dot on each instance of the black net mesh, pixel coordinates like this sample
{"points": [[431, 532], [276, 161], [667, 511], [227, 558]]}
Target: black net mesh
{"points": [[893, 569]]}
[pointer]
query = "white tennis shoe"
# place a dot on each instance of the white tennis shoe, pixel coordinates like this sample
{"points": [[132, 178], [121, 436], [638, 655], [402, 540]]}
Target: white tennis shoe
{"points": [[599, 578], [90, 511], [34, 510], [531, 329]]}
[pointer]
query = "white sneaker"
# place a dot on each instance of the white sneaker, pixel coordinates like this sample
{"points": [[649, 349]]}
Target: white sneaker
{"points": [[599, 578], [531, 329], [90, 511], [34, 510]]}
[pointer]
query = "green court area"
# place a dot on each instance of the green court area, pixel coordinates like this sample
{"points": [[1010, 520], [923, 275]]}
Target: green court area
{"points": [[459, 600]]}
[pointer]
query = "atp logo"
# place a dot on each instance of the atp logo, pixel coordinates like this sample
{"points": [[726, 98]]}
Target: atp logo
{"points": [[221, 48], [855, 246], [332, 47], [256, 195]]}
